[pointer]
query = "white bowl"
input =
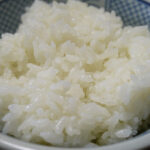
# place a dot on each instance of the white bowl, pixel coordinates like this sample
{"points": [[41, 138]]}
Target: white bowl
{"points": [[139, 142]]}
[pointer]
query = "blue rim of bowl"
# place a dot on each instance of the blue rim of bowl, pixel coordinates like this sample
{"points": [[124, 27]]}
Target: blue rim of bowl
{"points": [[145, 2]]}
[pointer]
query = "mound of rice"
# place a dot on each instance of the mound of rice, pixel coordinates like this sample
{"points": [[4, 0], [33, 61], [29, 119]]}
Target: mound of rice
{"points": [[72, 75]]}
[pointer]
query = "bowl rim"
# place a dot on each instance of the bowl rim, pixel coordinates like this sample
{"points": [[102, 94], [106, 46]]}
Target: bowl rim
{"points": [[144, 2], [138, 142]]}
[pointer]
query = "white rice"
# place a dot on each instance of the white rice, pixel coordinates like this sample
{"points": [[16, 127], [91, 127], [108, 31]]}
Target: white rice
{"points": [[71, 75]]}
